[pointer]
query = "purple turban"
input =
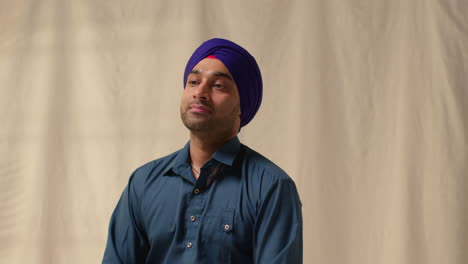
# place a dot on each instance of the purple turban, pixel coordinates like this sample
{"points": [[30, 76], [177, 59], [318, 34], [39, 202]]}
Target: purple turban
{"points": [[243, 68]]}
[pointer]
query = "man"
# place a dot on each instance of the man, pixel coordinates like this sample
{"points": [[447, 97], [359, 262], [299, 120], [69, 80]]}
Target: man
{"points": [[214, 201]]}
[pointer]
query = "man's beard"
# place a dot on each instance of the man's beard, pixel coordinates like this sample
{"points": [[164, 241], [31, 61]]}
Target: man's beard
{"points": [[197, 125], [208, 124]]}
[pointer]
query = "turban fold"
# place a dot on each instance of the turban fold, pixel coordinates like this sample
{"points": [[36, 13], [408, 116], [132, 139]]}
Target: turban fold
{"points": [[243, 68]]}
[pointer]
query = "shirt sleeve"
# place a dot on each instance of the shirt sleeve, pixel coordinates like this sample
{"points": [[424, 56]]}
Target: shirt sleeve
{"points": [[278, 229], [126, 241]]}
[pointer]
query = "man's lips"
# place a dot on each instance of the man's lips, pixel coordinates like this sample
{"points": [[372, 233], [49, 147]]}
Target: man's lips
{"points": [[199, 108]]}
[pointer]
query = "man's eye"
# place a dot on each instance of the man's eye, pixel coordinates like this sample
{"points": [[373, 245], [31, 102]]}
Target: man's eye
{"points": [[218, 86], [192, 83]]}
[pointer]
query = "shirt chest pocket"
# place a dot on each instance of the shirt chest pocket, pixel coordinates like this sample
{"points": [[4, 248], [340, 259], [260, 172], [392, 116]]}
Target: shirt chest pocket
{"points": [[218, 230]]}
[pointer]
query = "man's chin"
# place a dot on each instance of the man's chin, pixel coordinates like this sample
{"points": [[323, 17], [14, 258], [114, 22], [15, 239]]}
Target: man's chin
{"points": [[198, 126]]}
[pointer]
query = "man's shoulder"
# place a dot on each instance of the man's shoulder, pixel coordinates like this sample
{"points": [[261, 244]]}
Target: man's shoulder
{"points": [[264, 176], [156, 167], [260, 164]]}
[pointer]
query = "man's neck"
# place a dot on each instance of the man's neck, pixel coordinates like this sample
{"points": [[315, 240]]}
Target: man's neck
{"points": [[202, 148]]}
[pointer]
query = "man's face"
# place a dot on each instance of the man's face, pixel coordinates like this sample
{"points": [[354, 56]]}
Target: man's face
{"points": [[210, 102]]}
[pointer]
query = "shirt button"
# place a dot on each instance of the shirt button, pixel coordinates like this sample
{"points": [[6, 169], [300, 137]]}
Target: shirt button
{"points": [[189, 244], [196, 191], [192, 218], [226, 227]]}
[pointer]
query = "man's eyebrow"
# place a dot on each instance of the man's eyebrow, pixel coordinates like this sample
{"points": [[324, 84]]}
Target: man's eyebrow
{"points": [[223, 74], [218, 74]]}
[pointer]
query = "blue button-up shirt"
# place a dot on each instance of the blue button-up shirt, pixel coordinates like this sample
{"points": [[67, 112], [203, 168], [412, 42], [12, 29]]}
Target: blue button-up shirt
{"points": [[242, 209]]}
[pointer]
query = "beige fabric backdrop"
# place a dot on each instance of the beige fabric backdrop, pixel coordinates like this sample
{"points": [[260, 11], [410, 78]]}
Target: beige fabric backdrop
{"points": [[365, 106]]}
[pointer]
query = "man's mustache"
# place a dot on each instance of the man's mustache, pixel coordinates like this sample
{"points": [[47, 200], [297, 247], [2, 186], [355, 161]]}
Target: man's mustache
{"points": [[201, 103]]}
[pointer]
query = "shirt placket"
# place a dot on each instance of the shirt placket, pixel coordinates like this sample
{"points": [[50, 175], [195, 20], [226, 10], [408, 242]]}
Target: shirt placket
{"points": [[193, 214]]}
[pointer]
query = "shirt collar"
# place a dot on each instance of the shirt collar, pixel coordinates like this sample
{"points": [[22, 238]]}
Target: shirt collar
{"points": [[226, 154]]}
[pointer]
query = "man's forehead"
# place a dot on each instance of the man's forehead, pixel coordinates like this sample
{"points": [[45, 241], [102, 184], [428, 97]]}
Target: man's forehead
{"points": [[210, 66]]}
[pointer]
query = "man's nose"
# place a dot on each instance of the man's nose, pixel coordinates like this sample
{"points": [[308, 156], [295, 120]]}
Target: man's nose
{"points": [[202, 91]]}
